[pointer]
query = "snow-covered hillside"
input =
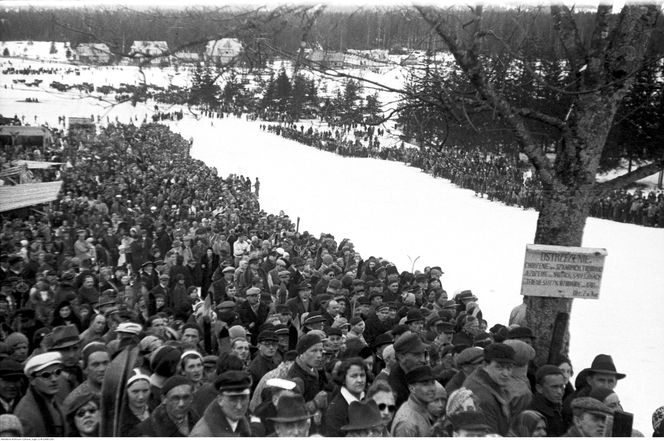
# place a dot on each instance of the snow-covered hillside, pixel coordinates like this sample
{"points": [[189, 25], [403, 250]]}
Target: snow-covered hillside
{"points": [[400, 213]]}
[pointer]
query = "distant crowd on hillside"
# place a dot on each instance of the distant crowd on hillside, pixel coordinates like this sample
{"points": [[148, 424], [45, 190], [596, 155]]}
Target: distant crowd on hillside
{"points": [[500, 176]]}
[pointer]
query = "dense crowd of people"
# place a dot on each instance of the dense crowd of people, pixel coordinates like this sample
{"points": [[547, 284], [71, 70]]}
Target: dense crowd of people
{"points": [[155, 298], [501, 176]]}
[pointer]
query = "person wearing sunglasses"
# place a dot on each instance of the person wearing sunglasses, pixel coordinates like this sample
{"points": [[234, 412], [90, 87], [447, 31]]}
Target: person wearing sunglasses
{"points": [[383, 395], [83, 415], [38, 410]]}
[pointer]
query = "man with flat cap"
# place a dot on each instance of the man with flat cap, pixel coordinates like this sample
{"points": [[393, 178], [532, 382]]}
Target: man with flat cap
{"points": [[225, 416], [39, 411], [489, 383], [264, 361], [410, 354], [413, 418], [253, 313], [590, 418], [11, 377]]}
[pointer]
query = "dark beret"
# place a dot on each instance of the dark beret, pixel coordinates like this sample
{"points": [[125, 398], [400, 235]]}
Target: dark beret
{"points": [[173, 382], [547, 369], [307, 341]]}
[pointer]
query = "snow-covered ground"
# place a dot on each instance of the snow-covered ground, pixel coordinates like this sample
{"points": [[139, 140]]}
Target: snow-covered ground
{"points": [[400, 213]]}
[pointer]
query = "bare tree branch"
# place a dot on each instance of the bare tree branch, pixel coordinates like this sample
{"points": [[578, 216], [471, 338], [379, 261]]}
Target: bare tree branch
{"points": [[602, 188], [470, 63]]}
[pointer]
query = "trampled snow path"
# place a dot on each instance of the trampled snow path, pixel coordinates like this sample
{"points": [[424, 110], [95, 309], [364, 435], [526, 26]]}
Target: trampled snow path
{"points": [[394, 211]]}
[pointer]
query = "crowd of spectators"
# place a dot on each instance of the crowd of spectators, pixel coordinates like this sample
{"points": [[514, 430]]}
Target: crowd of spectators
{"points": [[240, 325], [501, 176]]}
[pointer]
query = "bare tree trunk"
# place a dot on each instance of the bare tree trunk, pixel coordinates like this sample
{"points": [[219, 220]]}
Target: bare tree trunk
{"points": [[561, 221]]}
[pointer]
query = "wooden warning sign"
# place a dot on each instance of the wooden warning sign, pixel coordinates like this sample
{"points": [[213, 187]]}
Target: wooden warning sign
{"points": [[556, 271]]}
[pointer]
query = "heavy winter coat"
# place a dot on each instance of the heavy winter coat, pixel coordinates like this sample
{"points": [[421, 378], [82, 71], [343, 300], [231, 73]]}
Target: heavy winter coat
{"points": [[494, 401], [214, 423], [412, 419], [31, 410], [161, 425], [555, 426]]}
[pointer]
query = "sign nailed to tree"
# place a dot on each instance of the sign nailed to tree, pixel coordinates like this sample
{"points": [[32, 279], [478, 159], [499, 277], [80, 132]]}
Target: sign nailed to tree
{"points": [[556, 271]]}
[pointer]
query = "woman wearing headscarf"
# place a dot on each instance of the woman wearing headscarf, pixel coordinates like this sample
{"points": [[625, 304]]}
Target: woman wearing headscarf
{"points": [[136, 407]]}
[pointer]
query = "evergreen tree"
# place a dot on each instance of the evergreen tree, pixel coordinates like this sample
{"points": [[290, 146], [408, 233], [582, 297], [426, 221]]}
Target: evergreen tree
{"points": [[204, 90]]}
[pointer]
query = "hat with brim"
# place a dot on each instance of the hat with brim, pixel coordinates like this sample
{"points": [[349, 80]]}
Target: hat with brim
{"points": [[64, 337], [362, 416], [40, 362], [316, 318], [414, 316], [290, 409], [233, 383], [603, 364], [228, 269]]}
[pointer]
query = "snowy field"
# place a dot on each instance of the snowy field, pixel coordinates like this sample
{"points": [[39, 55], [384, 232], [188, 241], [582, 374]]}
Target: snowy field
{"points": [[401, 213]]}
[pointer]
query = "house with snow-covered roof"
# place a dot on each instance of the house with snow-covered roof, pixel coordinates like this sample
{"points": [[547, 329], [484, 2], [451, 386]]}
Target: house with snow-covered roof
{"points": [[93, 53], [336, 60], [223, 51], [154, 52]]}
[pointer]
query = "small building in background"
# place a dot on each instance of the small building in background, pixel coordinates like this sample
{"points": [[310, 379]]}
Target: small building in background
{"points": [[223, 51], [93, 53], [154, 52]]}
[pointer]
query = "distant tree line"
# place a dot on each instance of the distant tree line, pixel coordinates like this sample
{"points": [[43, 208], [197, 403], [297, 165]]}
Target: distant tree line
{"points": [[391, 28]]}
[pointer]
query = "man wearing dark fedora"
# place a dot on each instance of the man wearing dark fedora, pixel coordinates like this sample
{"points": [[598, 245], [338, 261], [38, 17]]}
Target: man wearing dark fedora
{"points": [[601, 373], [65, 340], [226, 415], [415, 321], [364, 420], [292, 418]]}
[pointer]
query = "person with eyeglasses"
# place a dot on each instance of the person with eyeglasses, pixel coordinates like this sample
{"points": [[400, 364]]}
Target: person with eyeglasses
{"points": [[175, 416], [83, 415], [264, 361], [383, 395], [38, 410]]}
